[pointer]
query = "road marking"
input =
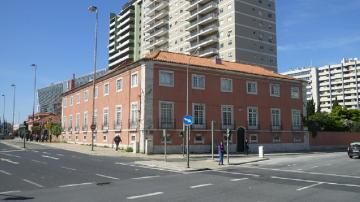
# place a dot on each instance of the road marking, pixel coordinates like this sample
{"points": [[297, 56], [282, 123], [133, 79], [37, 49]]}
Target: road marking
{"points": [[200, 185], [42, 162], [239, 179], [73, 185], [105, 176], [60, 154], [9, 161], [33, 183], [314, 167], [124, 164], [312, 181], [144, 195], [50, 157], [235, 173], [35, 151], [9, 192], [11, 155], [6, 173], [67, 168], [14, 150], [45, 152], [313, 185], [305, 172], [145, 177]]}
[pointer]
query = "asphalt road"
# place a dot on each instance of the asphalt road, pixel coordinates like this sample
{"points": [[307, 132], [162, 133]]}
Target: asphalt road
{"points": [[47, 174]]}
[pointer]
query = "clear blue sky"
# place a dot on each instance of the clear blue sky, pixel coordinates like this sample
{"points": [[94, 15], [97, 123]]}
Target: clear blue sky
{"points": [[58, 36]]}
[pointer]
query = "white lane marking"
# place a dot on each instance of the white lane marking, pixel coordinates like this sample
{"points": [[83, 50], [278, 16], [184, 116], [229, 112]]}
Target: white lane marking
{"points": [[105, 176], [235, 173], [50, 157], [9, 161], [73, 185], [67, 168], [299, 169], [124, 164], [45, 152], [145, 177], [42, 162], [144, 195], [11, 155], [10, 192], [239, 179], [60, 154], [33, 183], [312, 181], [149, 167], [35, 151], [313, 185], [200, 185], [6, 173], [305, 172], [14, 150], [314, 167]]}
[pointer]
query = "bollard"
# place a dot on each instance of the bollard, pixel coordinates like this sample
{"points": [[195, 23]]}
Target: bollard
{"points": [[261, 151]]}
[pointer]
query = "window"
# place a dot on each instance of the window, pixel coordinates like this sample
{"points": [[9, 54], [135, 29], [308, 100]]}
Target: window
{"points": [[199, 115], [295, 92], [78, 98], [229, 6], [71, 100], [64, 102], [133, 115], [276, 138], [226, 85], [275, 118], [70, 122], [77, 121], [168, 138], [86, 95], [229, 19], [227, 116], [106, 118], [106, 89], [96, 91], [85, 123], [275, 90], [119, 85], [296, 119], [251, 87], [134, 80], [118, 110], [64, 122], [166, 78], [166, 114], [252, 117], [199, 139], [95, 117], [253, 138], [198, 81], [229, 42]]}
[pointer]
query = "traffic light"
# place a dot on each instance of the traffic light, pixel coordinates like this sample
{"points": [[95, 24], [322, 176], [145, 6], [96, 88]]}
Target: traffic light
{"points": [[26, 126], [228, 133]]}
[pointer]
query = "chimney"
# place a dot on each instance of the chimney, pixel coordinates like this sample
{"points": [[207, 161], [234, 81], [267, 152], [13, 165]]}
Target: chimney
{"points": [[217, 59], [72, 82]]}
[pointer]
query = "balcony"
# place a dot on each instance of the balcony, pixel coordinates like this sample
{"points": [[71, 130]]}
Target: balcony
{"points": [[105, 127], [158, 33], [207, 18], [160, 15], [275, 127], [208, 52], [84, 128], [207, 8], [117, 125], [155, 25], [158, 42], [157, 6], [167, 124]]}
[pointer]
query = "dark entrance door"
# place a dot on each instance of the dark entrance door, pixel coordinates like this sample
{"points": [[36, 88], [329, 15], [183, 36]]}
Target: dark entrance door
{"points": [[240, 140]]}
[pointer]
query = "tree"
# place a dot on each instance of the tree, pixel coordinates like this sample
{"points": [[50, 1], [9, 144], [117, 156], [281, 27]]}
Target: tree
{"points": [[310, 108], [55, 129], [335, 103]]}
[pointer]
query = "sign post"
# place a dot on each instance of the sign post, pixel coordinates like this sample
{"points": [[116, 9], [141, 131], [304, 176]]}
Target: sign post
{"points": [[187, 120], [227, 144]]}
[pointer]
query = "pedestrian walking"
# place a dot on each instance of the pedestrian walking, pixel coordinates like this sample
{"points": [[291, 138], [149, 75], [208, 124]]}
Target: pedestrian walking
{"points": [[117, 141], [221, 151], [246, 146]]}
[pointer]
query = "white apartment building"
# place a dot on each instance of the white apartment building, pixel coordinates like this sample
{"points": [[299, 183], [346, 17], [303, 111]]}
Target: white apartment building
{"points": [[241, 31], [327, 83]]}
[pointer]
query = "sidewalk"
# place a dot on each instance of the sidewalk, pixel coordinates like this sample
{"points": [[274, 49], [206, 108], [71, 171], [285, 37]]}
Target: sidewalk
{"points": [[174, 162]]}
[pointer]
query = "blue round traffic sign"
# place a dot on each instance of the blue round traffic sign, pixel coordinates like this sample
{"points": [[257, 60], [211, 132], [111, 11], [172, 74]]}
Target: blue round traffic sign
{"points": [[188, 120]]}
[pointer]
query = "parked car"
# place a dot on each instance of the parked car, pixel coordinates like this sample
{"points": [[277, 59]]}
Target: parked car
{"points": [[354, 149]]}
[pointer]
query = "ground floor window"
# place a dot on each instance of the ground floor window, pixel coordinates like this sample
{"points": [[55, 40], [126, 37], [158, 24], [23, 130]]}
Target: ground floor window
{"points": [[253, 138], [199, 139], [276, 138]]}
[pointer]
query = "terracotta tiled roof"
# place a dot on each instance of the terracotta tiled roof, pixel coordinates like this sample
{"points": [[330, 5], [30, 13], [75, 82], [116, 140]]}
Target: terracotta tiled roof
{"points": [[210, 63]]}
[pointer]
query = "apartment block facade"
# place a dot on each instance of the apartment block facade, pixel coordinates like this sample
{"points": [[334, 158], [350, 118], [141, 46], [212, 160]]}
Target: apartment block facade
{"points": [[338, 81], [241, 31], [142, 99]]}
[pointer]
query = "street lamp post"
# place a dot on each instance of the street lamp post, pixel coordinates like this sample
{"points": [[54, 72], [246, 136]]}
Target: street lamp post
{"points": [[33, 113], [94, 9], [13, 118], [3, 129]]}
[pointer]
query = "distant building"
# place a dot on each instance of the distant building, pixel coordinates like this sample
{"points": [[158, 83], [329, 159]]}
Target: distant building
{"points": [[327, 83], [49, 98]]}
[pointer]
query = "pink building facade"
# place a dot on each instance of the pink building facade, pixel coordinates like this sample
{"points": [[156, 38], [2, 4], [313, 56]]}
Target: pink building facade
{"points": [[139, 101]]}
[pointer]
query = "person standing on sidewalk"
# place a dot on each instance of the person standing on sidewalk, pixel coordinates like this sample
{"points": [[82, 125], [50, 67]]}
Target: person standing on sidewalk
{"points": [[247, 146], [221, 151], [117, 141]]}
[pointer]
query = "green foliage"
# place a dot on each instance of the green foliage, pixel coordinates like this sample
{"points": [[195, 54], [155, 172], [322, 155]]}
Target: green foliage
{"points": [[55, 129], [310, 108], [129, 149], [36, 129]]}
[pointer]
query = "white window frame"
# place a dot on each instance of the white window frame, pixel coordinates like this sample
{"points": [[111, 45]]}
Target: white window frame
{"points": [[271, 91], [295, 95], [78, 98], [71, 100], [95, 117], [194, 115], [273, 125], [71, 122], [86, 95], [64, 102], [133, 85], [172, 122], [96, 91], [134, 117], [222, 86], [86, 120], [296, 121], [106, 126], [251, 140], [121, 81], [202, 141], [199, 78], [118, 125], [106, 90], [257, 117], [77, 121], [222, 116], [64, 122], [275, 136], [168, 138], [247, 87], [166, 72]]}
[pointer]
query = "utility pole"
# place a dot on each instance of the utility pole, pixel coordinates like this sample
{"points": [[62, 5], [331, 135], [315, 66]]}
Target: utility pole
{"points": [[212, 140]]}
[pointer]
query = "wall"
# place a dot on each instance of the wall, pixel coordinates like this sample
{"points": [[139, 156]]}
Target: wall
{"points": [[332, 140]]}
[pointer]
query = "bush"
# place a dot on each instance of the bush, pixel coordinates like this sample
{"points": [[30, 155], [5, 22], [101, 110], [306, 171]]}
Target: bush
{"points": [[129, 149]]}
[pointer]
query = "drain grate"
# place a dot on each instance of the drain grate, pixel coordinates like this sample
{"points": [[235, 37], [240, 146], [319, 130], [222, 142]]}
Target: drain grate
{"points": [[103, 183]]}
